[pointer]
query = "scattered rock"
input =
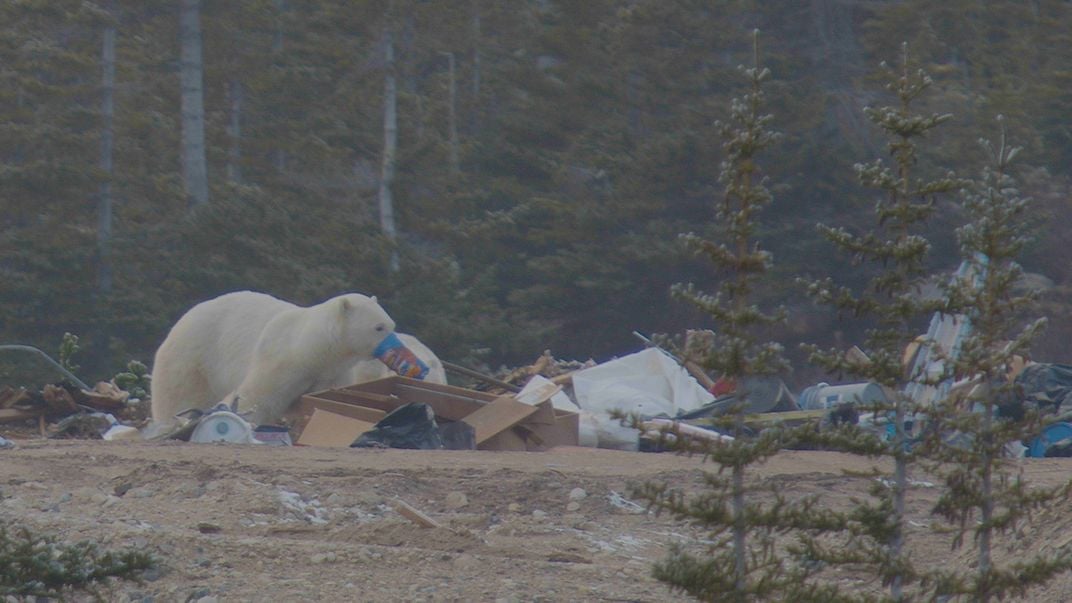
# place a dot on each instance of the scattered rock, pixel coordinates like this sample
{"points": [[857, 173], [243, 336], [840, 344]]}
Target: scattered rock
{"points": [[578, 494], [369, 498], [514, 508], [208, 528], [457, 500], [538, 514], [192, 490], [141, 492], [573, 506]]}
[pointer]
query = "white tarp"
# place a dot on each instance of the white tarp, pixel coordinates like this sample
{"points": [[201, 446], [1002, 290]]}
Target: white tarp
{"points": [[648, 383]]}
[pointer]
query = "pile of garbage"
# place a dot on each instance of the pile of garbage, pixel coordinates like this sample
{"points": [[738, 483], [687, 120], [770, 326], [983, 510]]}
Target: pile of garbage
{"points": [[66, 410]]}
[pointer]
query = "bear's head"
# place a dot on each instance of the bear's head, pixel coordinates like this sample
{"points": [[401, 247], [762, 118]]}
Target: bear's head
{"points": [[363, 323]]}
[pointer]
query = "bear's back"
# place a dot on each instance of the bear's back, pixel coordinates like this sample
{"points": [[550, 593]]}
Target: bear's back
{"points": [[220, 335]]}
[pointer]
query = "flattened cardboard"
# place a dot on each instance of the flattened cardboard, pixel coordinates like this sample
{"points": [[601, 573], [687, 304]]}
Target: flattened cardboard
{"points": [[508, 440], [362, 413], [502, 413], [565, 431], [509, 425], [330, 430]]}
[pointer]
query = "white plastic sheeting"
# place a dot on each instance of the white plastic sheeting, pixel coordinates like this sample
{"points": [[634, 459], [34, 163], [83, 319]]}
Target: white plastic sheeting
{"points": [[648, 383]]}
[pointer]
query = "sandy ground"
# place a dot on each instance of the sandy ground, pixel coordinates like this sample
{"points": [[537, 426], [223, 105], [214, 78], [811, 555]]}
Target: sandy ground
{"points": [[260, 523]]}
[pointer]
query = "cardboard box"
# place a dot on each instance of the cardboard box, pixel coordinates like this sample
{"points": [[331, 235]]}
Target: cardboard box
{"points": [[331, 430], [500, 422]]}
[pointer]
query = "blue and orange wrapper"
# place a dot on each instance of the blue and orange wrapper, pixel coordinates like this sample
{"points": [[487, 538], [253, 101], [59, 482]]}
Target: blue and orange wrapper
{"points": [[399, 358]]}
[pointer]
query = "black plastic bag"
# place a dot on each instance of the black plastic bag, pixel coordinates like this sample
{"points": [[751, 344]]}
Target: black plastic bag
{"points": [[411, 426]]}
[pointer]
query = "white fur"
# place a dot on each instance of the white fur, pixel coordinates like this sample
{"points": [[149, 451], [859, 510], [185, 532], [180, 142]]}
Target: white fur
{"points": [[263, 350], [370, 370]]}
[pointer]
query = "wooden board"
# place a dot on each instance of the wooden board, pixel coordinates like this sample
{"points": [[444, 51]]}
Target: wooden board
{"points": [[330, 430], [10, 415], [498, 415], [791, 415], [379, 402]]}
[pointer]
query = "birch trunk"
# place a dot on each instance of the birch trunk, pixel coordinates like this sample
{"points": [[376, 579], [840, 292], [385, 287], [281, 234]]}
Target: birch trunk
{"points": [[390, 145], [234, 132], [194, 168], [104, 202], [452, 117], [476, 66]]}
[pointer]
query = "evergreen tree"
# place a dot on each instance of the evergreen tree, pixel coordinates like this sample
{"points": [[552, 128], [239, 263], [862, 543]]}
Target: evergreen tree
{"points": [[984, 495], [892, 300], [744, 561]]}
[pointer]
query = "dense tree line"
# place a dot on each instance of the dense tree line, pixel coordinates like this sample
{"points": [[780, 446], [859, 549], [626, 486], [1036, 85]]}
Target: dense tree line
{"points": [[548, 154]]}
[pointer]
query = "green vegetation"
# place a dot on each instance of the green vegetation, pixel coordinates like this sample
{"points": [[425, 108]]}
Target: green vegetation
{"points": [[905, 201], [38, 566], [583, 141], [743, 560], [985, 496]]}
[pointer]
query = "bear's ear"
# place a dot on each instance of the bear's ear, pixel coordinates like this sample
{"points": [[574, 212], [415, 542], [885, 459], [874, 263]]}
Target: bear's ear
{"points": [[345, 305], [374, 300]]}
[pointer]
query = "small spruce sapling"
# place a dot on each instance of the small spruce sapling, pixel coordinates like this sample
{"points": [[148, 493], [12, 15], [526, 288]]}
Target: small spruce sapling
{"points": [[896, 247], [984, 495], [745, 560], [32, 565]]}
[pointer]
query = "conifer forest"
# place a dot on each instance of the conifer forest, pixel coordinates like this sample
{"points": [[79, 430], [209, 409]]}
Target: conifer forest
{"points": [[506, 177]]}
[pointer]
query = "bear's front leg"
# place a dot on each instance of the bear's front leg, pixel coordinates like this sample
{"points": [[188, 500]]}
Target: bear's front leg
{"points": [[263, 400]]}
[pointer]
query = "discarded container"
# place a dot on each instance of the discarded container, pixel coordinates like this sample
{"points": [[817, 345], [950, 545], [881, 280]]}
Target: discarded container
{"points": [[274, 435], [1052, 435], [822, 396], [400, 359], [223, 426]]}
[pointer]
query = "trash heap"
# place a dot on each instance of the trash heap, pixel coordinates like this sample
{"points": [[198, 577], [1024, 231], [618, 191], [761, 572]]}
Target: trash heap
{"points": [[64, 410]]}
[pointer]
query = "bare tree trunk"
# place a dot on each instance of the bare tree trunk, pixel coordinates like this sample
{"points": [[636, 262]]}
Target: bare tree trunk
{"points": [[277, 39], [234, 131], [194, 168], [986, 492], [390, 146], [476, 65], [279, 156], [104, 202], [900, 487], [452, 116]]}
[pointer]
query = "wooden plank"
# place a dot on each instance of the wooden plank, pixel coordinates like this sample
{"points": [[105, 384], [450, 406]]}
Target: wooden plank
{"points": [[449, 402], [367, 400], [362, 413], [392, 385], [499, 415], [445, 389], [448, 406], [10, 415], [330, 430], [409, 512], [791, 415]]}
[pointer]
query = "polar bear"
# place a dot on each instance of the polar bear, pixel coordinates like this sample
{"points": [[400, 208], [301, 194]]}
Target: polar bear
{"points": [[370, 370], [262, 353]]}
